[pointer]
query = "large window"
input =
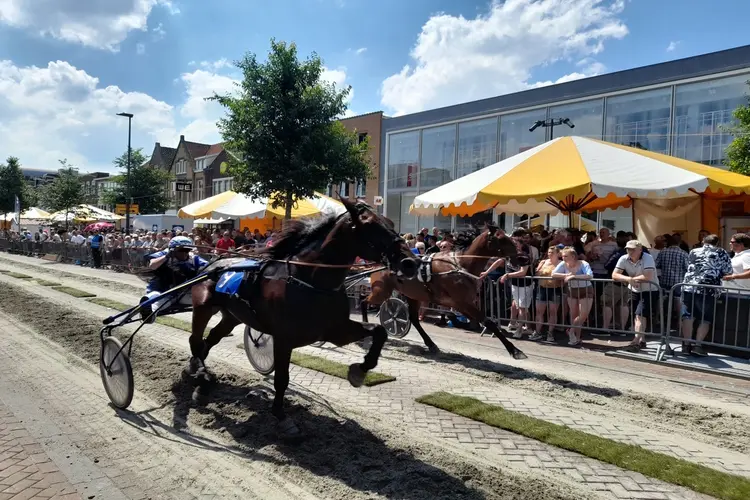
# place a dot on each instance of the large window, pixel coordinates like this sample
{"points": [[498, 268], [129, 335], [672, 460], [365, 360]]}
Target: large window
{"points": [[587, 117], [398, 211], [403, 160], [702, 113], [514, 132], [438, 153], [640, 120], [477, 145]]}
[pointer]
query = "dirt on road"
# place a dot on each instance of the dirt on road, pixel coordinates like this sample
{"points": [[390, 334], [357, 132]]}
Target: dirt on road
{"points": [[343, 456]]}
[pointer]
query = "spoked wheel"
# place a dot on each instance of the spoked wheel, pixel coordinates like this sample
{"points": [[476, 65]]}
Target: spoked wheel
{"points": [[259, 350], [116, 373], [394, 316]]}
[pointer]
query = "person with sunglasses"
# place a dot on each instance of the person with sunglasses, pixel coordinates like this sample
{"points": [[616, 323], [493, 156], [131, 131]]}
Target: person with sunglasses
{"points": [[740, 277], [170, 267]]}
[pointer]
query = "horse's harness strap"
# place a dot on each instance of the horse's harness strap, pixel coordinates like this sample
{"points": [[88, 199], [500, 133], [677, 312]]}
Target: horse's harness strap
{"points": [[425, 269]]}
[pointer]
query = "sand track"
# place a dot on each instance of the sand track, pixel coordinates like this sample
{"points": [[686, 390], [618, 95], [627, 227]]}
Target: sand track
{"points": [[352, 456]]}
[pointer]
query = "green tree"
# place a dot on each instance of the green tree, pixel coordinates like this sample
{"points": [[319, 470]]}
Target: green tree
{"points": [[12, 184], [282, 131], [147, 184], [738, 152], [65, 192]]}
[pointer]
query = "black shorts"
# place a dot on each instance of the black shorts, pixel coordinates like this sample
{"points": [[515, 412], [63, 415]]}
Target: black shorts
{"points": [[699, 306], [646, 304]]}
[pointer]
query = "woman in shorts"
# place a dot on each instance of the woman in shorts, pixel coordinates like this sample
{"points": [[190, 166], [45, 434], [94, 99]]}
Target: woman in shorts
{"points": [[577, 275], [548, 295]]}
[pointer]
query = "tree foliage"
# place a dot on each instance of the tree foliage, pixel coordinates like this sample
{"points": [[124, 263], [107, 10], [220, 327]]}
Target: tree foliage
{"points": [[65, 192], [12, 184], [738, 152], [147, 184], [281, 127]]}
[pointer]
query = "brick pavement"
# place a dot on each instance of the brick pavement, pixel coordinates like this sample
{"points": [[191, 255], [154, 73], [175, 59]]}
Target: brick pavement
{"points": [[397, 400], [26, 471]]}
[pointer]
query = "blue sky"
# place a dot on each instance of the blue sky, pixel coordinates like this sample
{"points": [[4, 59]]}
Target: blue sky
{"points": [[69, 65]]}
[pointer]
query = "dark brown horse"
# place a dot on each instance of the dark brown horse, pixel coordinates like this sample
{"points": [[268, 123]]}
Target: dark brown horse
{"points": [[297, 295], [454, 283]]}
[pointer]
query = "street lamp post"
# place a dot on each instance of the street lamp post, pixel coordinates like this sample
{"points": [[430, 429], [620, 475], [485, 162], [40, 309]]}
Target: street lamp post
{"points": [[551, 123], [129, 116]]}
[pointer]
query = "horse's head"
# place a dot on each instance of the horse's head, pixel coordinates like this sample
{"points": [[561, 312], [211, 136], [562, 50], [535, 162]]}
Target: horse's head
{"points": [[377, 240], [499, 244]]}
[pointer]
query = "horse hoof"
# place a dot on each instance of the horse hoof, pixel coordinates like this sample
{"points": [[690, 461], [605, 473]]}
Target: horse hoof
{"points": [[288, 430], [433, 349], [356, 375], [200, 395], [519, 355]]}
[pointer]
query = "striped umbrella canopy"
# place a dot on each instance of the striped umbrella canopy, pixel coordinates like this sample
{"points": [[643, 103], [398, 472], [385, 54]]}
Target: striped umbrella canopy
{"points": [[231, 204], [569, 174]]}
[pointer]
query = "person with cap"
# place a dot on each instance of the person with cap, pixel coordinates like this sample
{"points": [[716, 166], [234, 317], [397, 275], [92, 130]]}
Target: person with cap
{"points": [[171, 267], [638, 269]]}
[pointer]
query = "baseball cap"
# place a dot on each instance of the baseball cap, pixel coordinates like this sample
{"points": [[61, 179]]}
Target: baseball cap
{"points": [[633, 244]]}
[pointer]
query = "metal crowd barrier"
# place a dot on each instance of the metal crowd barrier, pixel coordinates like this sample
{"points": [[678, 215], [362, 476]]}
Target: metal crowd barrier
{"points": [[720, 313], [611, 310]]}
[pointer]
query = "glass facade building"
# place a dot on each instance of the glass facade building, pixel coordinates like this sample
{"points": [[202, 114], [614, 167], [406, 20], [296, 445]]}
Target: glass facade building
{"points": [[681, 114]]}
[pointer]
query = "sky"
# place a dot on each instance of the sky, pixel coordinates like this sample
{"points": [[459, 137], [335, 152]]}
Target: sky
{"points": [[67, 67]]}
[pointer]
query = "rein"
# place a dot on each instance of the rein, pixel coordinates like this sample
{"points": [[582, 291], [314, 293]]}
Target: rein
{"points": [[284, 261]]}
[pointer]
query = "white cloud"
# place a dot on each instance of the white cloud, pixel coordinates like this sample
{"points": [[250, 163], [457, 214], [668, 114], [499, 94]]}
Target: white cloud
{"points": [[92, 23], [214, 66], [458, 59], [159, 32], [338, 77], [59, 111], [360, 51], [673, 46], [140, 49]]}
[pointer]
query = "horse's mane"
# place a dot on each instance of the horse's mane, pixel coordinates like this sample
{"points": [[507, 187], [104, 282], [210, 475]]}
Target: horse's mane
{"points": [[298, 236]]}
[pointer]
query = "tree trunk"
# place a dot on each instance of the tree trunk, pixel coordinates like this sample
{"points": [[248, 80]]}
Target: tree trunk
{"points": [[288, 205]]}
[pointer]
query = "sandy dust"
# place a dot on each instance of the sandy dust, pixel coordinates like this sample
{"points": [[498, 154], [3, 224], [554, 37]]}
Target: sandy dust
{"points": [[339, 457], [702, 423]]}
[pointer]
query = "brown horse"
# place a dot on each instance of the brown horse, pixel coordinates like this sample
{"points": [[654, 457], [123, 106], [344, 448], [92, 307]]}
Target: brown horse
{"points": [[454, 283], [294, 292]]}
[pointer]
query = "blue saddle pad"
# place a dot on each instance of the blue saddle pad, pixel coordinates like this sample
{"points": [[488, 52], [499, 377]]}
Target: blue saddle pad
{"points": [[246, 265], [230, 282]]}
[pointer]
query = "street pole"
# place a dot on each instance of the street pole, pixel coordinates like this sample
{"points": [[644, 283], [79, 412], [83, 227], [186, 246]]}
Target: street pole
{"points": [[551, 125], [128, 199]]}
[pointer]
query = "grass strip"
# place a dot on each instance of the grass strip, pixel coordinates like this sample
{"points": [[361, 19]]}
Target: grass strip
{"points": [[74, 292], [19, 276], [162, 320], [47, 283], [630, 457], [335, 369]]}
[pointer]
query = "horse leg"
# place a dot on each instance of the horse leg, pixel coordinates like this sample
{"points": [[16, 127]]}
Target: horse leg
{"points": [[286, 427], [353, 332], [473, 312], [222, 329], [414, 317]]}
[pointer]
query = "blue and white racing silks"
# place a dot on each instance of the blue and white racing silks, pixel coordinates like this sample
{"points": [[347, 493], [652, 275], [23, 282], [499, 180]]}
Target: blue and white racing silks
{"points": [[189, 267]]}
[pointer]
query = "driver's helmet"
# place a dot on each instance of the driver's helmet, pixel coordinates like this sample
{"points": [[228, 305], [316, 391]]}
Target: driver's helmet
{"points": [[180, 242]]}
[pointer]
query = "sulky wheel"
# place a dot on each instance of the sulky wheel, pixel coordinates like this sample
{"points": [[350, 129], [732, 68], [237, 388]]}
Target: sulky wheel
{"points": [[116, 373], [394, 316], [259, 350]]}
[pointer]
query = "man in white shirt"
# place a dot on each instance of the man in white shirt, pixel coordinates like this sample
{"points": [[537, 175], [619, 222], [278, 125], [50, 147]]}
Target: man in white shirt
{"points": [[638, 270], [740, 277]]}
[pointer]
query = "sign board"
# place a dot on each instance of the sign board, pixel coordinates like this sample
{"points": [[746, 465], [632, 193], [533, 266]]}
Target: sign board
{"points": [[377, 201], [154, 227], [121, 208], [186, 187], [178, 229]]}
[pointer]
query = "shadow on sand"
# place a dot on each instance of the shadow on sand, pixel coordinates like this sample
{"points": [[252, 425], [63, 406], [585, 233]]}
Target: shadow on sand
{"points": [[333, 446]]}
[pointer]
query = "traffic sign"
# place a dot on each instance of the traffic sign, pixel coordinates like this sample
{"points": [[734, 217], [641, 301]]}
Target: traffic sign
{"points": [[378, 200], [120, 209], [186, 187]]}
